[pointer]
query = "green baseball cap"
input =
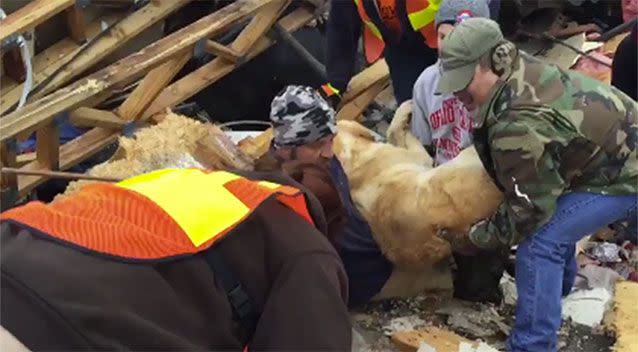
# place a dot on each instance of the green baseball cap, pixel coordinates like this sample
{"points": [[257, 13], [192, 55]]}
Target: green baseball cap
{"points": [[462, 49]]}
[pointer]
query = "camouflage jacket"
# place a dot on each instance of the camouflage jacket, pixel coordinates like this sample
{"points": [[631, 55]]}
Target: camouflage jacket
{"points": [[546, 132]]}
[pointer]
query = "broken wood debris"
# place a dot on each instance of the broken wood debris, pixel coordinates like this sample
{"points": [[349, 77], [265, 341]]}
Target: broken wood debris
{"points": [[156, 66]]}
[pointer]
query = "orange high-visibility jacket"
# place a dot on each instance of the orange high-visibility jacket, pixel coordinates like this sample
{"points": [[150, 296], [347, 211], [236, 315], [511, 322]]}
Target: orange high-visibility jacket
{"points": [[421, 14], [162, 214]]}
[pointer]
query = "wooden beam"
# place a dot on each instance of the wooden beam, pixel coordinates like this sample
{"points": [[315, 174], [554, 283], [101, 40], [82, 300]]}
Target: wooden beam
{"points": [[258, 26], [197, 80], [47, 148], [222, 51], [89, 117], [31, 15], [91, 142], [120, 34], [45, 63], [75, 22], [365, 79], [8, 159], [354, 109], [71, 153], [148, 89], [25, 158], [39, 113]]}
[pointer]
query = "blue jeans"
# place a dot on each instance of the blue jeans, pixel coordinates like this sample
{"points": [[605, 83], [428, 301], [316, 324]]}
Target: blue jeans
{"points": [[546, 267]]}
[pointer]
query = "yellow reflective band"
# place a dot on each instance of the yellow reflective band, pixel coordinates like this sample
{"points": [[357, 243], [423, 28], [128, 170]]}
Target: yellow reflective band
{"points": [[424, 17], [374, 29], [268, 185], [197, 201]]}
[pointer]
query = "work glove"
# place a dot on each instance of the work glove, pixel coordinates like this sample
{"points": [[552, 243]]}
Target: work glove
{"points": [[331, 94]]}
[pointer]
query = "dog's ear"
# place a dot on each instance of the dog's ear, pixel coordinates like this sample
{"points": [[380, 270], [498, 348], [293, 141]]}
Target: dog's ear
{"points": [[356, 130]]}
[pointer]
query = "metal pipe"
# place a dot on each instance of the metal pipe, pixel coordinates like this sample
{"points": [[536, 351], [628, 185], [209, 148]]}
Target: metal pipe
{"points": [[315, 65], [57, 174], [545, 36], [617, 30]]}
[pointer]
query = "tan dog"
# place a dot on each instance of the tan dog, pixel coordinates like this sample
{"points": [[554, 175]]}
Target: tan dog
{"points": [[405, 200]]}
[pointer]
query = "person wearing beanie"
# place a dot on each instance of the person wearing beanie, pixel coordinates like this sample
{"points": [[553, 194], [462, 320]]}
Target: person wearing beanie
{"points": [[562, 148], [304, 127], [441, 122]]}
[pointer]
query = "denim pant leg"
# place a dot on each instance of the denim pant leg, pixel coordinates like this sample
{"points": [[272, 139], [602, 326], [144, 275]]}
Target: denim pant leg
{"points": [[570, 271], [542, 262]]}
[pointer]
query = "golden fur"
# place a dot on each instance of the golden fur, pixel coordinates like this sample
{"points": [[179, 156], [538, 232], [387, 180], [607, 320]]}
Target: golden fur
{"points": [[405, 200]]}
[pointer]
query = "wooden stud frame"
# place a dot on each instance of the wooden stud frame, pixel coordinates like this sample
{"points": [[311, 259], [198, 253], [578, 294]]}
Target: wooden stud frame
{"points": [[156, 66]]}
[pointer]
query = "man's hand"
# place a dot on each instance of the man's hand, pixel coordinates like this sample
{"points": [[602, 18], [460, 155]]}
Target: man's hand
{"points": [[460, 242]]}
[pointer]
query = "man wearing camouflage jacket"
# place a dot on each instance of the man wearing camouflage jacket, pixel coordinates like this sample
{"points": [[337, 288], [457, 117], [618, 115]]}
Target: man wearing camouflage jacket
{"points": [[562, 148]]}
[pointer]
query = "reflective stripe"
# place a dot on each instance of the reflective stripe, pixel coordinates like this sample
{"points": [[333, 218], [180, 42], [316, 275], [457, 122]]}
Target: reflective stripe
{"points": [[366, 20], [329, 89], [420, 17], [197, 201], [206, 205]]}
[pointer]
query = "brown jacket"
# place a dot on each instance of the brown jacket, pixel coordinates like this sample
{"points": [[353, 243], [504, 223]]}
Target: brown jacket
{"points": [[57, 297]]}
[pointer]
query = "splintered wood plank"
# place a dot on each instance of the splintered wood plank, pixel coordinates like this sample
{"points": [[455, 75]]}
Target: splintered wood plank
{"points": [[222, 51], [154, 82], [89, 117], [75, 21], [119, 35], [47, 148], [45, 63], [31, 15], [197, 80], [25, 158], [360, 83], [354, 109], [71, 154], [39, 113], [8, 159], [440, 339], [258, 26]]}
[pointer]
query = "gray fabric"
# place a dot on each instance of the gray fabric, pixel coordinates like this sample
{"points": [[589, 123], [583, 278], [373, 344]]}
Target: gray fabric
{"points": [[300, 116], [455, 11]]}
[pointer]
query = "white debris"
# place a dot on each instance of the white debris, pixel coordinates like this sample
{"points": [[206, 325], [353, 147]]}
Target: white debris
{"points": [[411, 322], [424, 347], [586, 307], [508, 286], [594, 276]]}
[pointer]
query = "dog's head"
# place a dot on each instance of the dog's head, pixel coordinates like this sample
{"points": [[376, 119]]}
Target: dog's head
{"points": [[351, 138]]}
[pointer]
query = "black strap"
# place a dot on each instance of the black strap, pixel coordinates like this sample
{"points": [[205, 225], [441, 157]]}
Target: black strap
{"points": [[244, 311]]}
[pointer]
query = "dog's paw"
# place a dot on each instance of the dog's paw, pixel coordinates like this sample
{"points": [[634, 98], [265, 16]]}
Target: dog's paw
{"points": [[400, 124]]}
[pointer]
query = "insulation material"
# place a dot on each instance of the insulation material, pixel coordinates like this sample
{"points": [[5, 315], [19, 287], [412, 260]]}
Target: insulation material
{"points": [[625, 322], [176, 142]]}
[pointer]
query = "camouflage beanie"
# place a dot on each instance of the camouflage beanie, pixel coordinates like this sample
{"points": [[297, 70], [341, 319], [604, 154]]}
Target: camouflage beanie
{"points": [[300, 116]]}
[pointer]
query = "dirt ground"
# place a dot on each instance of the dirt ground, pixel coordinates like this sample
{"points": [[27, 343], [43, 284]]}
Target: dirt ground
{"points": [[376, 322]]}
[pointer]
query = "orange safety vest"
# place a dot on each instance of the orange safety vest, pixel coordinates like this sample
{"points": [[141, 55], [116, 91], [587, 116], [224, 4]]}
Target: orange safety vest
{"points": [[421, 15], [165, 213]]}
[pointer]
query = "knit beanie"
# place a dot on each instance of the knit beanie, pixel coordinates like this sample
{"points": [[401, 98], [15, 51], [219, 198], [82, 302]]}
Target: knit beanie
{"points": [[456, 11]]}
